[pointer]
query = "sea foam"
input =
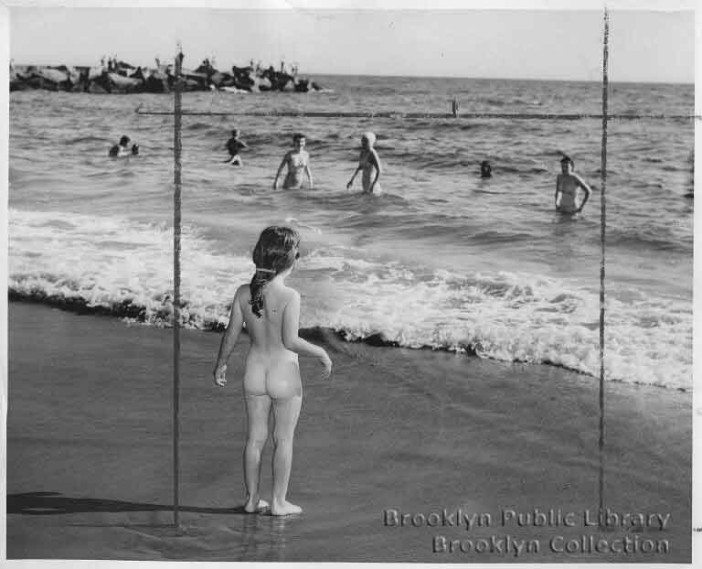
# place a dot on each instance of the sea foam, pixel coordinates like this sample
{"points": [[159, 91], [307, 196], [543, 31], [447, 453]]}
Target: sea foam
{"points": [[124, 268]]}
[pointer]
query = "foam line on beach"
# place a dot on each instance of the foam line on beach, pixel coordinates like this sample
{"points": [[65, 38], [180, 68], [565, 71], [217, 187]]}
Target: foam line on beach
{"points": [[122, 268]]}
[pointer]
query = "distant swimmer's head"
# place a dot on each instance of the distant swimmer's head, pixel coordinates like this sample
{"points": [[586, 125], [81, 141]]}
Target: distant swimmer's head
{"points": [[567, 164], [367, 140], [124, 141], [276, 252], [299, 140], [485, 169]]}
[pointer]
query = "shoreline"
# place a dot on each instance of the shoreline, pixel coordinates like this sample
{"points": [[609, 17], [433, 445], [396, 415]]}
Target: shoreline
{"points": [[89, 451], [79, 306]]}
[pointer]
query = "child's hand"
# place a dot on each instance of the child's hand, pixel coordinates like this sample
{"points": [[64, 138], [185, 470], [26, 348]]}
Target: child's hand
{"points": [[327, 363], [220, 375]]}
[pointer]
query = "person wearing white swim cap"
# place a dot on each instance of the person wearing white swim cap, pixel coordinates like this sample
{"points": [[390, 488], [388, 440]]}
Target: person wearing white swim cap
{"points": [[369, 164]]}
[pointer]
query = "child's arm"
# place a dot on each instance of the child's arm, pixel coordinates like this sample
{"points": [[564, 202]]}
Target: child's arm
{"points": [[558, 191], [291, 339], [231, 335], [280, 169], [586, 188]]}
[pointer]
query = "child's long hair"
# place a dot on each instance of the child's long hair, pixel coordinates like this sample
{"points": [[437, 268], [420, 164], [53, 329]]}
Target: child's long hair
{"points": [[274, 253]]}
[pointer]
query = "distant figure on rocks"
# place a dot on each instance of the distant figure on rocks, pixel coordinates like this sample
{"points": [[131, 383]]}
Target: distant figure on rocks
{"points": [[122, 148], [297, 161], [234, 145], [567, 184], [369, 164], [485, 169]]}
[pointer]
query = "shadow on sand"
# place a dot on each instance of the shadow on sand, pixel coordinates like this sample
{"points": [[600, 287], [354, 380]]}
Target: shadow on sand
{"points": [[53, 503]]}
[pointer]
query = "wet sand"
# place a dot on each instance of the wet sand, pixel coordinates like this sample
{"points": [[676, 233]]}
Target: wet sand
{"points": [[89, 455]]}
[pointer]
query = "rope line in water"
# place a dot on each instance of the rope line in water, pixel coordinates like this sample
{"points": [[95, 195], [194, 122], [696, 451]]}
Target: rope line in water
{"points": [[402, 116]]}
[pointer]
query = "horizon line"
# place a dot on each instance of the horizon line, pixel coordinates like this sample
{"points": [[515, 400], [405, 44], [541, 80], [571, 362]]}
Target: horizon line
{"points": [[400, 76]]}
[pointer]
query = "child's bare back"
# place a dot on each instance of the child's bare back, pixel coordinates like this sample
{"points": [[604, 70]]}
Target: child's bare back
{"points": [[270, 310], [271, 368]]}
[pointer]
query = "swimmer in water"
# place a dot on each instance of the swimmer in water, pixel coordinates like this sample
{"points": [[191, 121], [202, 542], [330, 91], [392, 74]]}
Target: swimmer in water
{"points": [[297, 161], [122, 148], [234, 145], [271, 312], [567, 184], [369, 164], [485, 169]]}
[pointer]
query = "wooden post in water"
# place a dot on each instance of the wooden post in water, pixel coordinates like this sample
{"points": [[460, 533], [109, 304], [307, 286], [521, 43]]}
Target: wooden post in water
{"points": [[177, 149], [603, 226]]}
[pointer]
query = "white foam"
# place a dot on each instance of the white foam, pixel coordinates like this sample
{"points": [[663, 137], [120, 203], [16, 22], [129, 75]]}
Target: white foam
{"points": [[110, 262]]}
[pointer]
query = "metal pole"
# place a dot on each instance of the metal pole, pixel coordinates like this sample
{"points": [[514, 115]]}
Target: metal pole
{"points": [[603, 225], [177, 149]]}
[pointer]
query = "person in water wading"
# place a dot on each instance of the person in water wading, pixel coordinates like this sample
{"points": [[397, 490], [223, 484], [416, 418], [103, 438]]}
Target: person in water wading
{"points": [[567, 184], [369, 164], [297, 161], [270, 310], [122, 148], [234, 145]]}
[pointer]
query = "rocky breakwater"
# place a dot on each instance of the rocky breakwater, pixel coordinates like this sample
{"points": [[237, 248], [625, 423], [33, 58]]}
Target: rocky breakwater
{"points": [[122, 77]]}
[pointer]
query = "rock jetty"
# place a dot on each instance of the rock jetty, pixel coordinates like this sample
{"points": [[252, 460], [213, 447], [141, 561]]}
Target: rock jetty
{"points": [[121, 77]]}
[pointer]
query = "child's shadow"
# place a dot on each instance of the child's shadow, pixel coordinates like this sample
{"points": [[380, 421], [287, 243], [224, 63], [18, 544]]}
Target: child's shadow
{"points": [[53, 503]]}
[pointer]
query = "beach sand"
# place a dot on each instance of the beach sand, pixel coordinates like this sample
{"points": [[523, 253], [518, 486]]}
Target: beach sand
{"points": [[89, 452]]}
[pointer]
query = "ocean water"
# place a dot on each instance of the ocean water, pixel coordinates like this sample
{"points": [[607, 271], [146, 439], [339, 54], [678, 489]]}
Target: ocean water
{"points": [[442, 259]]}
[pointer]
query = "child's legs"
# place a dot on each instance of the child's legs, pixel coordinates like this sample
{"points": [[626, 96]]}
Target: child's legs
{"points": [[257, 411], [286, 413]]}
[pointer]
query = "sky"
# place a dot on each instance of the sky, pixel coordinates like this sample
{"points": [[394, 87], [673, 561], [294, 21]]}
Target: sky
{"points": [[537, 41]]}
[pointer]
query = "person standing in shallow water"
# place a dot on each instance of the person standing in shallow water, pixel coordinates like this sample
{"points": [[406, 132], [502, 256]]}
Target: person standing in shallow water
{"points": [[297, 161], [234, 145], [567, 184], [122, 148], [271, 312], [369, 164]]}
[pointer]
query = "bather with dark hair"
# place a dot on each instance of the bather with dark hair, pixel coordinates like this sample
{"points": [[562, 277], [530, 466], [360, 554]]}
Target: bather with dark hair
{"points": [[567, 185], [297, 162], [271, 312], [122, 149]]}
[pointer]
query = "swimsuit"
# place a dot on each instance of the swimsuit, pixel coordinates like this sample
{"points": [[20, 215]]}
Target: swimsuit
{"points": [[569, 191], [296, 163], [368, 168]]}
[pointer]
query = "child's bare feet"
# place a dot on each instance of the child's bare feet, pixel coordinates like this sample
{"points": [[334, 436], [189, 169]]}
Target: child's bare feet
{"points": [[284, 508], [252, 507]]}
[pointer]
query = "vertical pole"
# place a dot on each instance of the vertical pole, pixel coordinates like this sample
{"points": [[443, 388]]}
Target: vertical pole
{"points": [[177, 149], [603, 209]]}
